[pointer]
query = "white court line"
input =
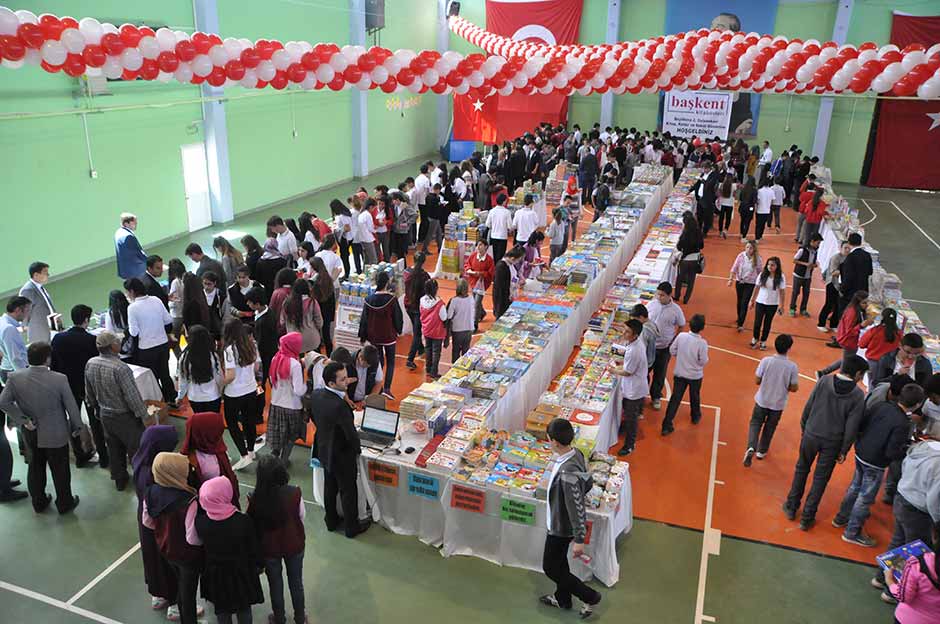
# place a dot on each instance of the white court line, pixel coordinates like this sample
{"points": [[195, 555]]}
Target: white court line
{"points": [[711, 539], [915, 224], [85, 613], [873, 217], [919, 301], [84, 590], [753, 359]]}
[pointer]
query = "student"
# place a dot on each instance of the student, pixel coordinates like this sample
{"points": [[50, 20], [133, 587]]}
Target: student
{"points": [[804, 261], [691, 353], [415, 279], [830, 421], [323, 290], [365, 234], [747, 198], [649, 334], [332, 262], [881, 339], [884, 435], [285, 417], [283, 282], [506, 280], [573, 209], [235, 304], [770, 292], [776, 376], [634, 384], [813, 209], [286, 241], [278, 512], [532, 261], [301, 313], [204, 263], [230, 543], [568, 483], [918, 591], [433, 315], [306, 251], [854, 320], [830, 276], [365, 374], [344, 232], [200, 372], [461, 310], [381, 324], [479, 269], [669, 319], [499, 222], [556, 235], [435, 208], [215, 300], [269, 265], [381, 220], [726, 193], [242, 368], [231, 258], [907, 359], [526, 221], [253, 253], [931, 409], [195, 306], [744, 273], [855, 270], [777, 202], [147, 323], [690, 256], [206, 449], [264, 332], [765, 197]]}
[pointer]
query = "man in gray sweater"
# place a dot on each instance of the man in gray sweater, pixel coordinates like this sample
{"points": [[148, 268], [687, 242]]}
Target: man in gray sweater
{"points": [[830, 423]]}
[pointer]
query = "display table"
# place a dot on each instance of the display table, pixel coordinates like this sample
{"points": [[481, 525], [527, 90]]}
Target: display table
{"points": [[146, 383]]}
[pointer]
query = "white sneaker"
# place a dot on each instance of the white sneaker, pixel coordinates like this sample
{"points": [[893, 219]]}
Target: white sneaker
{"points": [[173, 613], [252, 456], [824, 330], [761, 455], [242, 463], [657, 404]]}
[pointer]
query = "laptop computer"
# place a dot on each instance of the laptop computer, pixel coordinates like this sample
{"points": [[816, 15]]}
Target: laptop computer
{"points": [[379, 428]]}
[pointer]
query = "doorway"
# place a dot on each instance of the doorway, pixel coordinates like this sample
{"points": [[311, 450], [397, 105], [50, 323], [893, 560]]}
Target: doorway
{"points": [[196, 186]]}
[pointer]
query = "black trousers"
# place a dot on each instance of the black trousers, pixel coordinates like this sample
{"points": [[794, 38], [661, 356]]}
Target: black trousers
{"points": [[206, 406], [660, 364], [746, 215], [499, 248], [910, 524], [188, 577], [688, 270], [824, 453], [830, 309], [743, 292], [387, 360], [6, 459], [555, 566], [57, 459], [762, 427], [632, 408], [763, 320], [341, 480], [801, 285], [157, 359], [417, 344], [344, 246], [241, 416], [97, 434], [706, 217], [357, 256], [679, 385], [423, 224], [761, 224], [400, 244], [328, 310], [724, 217], [460, 344], [123, 432]]}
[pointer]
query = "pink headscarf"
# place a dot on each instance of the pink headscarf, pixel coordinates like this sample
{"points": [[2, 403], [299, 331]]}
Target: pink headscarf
{"points": [[215, 496], [291, 344]]}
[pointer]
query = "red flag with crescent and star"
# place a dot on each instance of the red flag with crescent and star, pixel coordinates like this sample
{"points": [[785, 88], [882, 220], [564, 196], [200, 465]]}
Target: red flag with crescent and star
{"points": [[907, 142], [498, 118]]}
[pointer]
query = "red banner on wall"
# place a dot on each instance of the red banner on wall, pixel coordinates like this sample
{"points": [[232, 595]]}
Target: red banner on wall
{"points": [[907, 141], [497, 117]]}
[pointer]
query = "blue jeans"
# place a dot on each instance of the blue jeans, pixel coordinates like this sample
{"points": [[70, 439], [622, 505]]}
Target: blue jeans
{"points": [[856, 504], [295, 582]]}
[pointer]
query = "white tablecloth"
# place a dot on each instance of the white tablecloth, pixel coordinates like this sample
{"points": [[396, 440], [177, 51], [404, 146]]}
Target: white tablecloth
{"points": [[147, 383]]}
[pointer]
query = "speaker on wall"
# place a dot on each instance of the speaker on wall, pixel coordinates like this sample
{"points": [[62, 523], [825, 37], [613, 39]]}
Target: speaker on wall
{"points": [[375, 14]]}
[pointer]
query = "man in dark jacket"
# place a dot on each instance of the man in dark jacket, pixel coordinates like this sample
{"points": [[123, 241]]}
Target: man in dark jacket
{"points": [[415, 278], [336, 447], [705, 192], [907, 359], [381, 324], [830, 422], [884, 438], [854, 272], [150, 279], [515, 168], [265, 331], [587, 175]]}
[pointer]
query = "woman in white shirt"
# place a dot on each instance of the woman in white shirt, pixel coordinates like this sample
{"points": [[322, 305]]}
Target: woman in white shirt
{"points": [[332, 262], [176, 271], [744, 274], [770, 292], [343, 232], [306, 251], [286, 416], [200, 372], [242, 364]]}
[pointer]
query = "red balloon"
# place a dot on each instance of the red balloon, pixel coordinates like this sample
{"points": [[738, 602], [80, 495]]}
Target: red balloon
{"points": [[859, 84], [601, 89], [418, 65], [217, 77], [904, 87], [261, 84], [214, 40], [324, 54], [892, 56], [201, 41], [145, 31], [167, 62], [74, 65], [50, 68], [71, 22], [31, 34], [454, 79], [149, 70], [185, 50], [197, 80], [12, 48], [129, 75], [337, 83], [473, 94], [868, 45], [235, 70], [296, 73], [112, 43], [405, 77], [578, 82], [130, 35], [439, 87], [498, 80], [352, 74], [647, 82], [464, 67], [51, 26], [310, 61], [250, 58], [389, 85], [94, 56], [539, 81]]}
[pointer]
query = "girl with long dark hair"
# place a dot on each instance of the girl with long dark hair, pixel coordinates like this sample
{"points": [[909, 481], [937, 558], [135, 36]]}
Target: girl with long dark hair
{"points": [[175, 272], [115, 321], [301, 313], [690, 253], [230, 257], [854, 320], [881, 339], [200, 372], [747, 198], [306, 252], [770, 292], [242, 368], [344, 230], [195, 306], [726, 192], [308, 233], [252, 254], [324, 293]]}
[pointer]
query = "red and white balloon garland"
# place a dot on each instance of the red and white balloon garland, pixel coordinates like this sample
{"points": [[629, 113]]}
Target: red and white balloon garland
{"points": [[693, 60]]}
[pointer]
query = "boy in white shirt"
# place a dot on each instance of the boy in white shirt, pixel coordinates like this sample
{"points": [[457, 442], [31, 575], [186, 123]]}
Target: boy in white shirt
{"points": [[765, 198], [286, 241], [633, 384], [525, 221], [365, 234], [691, 353], [777, 202], [499, 222], [777, 376], [556, 235]]}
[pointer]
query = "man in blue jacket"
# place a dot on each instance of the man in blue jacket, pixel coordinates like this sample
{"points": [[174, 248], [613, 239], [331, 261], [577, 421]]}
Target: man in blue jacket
{"points": [[131, 259]]}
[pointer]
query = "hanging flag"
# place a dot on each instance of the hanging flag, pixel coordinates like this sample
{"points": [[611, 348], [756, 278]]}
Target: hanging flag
{"points": [[475, 119]]}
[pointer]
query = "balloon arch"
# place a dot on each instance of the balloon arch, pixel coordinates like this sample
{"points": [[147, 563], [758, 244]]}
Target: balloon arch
{"points": [[694, 60]]}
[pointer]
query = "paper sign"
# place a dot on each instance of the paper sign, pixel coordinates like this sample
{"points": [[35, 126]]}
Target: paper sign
{"points": [[518, 511], [468, 499], [700, 113], [424, 486], [383, 474]]}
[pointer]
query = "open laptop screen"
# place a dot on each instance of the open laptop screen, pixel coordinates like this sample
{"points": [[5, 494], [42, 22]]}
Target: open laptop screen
{"points": [[380, 421]]}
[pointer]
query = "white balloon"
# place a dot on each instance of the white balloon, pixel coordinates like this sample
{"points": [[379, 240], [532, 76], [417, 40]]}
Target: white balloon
{"points": [[930, 89], [851, 67], [310, 82], [109, 28], [202, 65], [405, 56], [73, 40], [441, 66], [910, 60], [325, 73], [893, 72], [804, 74], [839, 81], [416, 86], [339, 63], [91, 29], [295, 51], [559, 81], [9, 23], [112, 68], [96, 71], [281, 59], [462, 88], [149, 47], [33, 57], [350, 53], [26, 17], [250, 79], [452, 57], [475, 79], [164, 77], [180, 36], [11, 64], [380, 74], [888, 48], [866, 55], [597, 81], [53, 52], [166, 39], [519, 80], [132, 59], [933, 50], [365, 82], [393, 66], [507, 90], [585, 90], [881, 84], [183, 73], [430, 77]]}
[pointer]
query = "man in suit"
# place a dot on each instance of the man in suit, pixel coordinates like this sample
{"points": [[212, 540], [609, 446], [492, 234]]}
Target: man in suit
{"points": [[336, 447], [515, 168], [71, 351], [131, 259], [854, 272], [265, 330], [40, 402], [705, 190], [151, 281], [37, 321]]}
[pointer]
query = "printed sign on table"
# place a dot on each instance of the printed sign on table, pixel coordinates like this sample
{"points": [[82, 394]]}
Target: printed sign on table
{"points": [[383, 474], [698, 113], [424, 485], [467, 498], [518, 511]]}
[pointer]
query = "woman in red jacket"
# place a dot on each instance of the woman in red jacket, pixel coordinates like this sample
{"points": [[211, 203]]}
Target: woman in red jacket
{"points": [[814, 209], [478, 268], [854, 319], [881, 339]]}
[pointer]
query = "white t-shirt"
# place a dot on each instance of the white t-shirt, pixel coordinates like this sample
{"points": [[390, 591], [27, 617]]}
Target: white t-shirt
{"points": [[727, 201], [365, 230], [765, 197], [342, 221], [779, 194], [767, 157], [499, 221], [332, 262], [421, 189], [767, 294], [460, 311], [244, 382], [146, 319], [287, 244], [525, 221]]}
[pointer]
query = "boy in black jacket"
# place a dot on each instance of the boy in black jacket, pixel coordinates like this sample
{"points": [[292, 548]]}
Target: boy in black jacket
{"points": [[885, 435]]}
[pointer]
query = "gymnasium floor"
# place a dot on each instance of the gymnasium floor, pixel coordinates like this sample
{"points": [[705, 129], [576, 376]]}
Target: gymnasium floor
{"points": [[710, 542]]}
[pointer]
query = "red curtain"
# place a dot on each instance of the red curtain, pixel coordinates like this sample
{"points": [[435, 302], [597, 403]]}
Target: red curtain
{"points": [[907, 140], [505, 118]]}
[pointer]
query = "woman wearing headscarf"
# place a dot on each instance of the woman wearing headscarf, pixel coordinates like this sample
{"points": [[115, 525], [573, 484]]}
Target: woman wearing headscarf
{"points": [[166, 505], [158, 573], [285, 417], [233, 556], [204, 447], [268, 265]]}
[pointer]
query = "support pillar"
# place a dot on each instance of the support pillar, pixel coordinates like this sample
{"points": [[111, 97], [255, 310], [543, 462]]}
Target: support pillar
{"points": [[359, 103], [824, 118], [613, 31], [444, 102]]}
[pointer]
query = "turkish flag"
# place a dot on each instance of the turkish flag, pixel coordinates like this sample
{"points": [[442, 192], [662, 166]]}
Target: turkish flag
{"points": [[555, 22], [907, 141]]}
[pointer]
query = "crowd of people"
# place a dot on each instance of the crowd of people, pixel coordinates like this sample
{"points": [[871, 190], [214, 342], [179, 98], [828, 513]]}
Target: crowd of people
{"points": [[257, 325]]}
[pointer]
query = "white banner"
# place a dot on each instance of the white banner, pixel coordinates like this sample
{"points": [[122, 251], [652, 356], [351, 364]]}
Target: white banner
{"points": [[704, 114]]}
